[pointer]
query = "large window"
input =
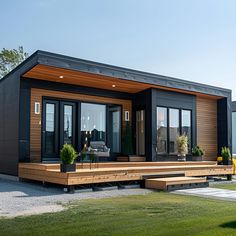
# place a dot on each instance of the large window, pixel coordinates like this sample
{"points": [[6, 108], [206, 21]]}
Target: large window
{"points": [[186, 126], [170, 123], [173, 130], [93, 123], [161, 130]]}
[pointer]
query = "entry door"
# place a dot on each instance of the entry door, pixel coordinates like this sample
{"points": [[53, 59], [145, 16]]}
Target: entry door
{"points": [[58, 127], [50, 129], [114, 134], [140, 132]]}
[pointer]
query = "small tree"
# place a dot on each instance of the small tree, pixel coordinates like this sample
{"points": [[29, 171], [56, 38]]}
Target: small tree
{"points": [[127, 143], [11, 58]]}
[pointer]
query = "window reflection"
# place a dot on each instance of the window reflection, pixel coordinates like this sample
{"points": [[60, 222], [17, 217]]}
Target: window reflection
{"points": [[161, 130], [68, 124], [50, 129], [173, 129], [186, 126], [93, 123]]}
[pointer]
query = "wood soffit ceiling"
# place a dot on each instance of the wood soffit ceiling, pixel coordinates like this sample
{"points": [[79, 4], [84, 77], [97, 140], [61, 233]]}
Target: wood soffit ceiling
{"points": [[61, 75]]}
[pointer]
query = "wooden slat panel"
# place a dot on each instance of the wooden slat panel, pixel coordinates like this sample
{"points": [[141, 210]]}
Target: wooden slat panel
{"points": [[207, 127], [162, 183], [50, 73], [112, 174], [36, 122]]}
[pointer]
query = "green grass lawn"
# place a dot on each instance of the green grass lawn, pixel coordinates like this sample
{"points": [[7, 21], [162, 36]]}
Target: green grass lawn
{"points": [[229, 186], [157, 213]]}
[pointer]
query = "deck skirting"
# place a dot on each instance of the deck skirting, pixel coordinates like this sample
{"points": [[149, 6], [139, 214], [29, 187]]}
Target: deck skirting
{"points": [[115, 172]]}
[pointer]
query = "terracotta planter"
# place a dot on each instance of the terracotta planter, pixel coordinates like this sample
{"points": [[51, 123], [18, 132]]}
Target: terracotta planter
{"points": [[68, 167]]}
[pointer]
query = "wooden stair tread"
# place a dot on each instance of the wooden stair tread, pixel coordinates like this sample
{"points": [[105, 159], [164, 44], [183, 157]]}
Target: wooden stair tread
{"points": [[163, 183], [179, 179]]}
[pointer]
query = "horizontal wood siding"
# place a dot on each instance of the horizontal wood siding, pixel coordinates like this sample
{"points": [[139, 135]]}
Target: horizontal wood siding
{"points": [[36, 120], [207, 126]]}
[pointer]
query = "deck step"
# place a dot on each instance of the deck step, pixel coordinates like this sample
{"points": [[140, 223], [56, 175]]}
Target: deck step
{"points": [[131, 159], [174, 183]]}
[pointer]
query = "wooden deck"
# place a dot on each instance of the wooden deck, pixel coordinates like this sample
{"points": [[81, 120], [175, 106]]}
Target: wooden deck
{"points": [[118, 171]]}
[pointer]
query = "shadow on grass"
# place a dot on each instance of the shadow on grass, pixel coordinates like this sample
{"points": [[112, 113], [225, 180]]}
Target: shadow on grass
{"points": [[231, 224]]}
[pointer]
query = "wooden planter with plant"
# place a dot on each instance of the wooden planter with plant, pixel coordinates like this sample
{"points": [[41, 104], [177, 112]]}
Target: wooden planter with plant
{"points": [[226, 155], [197, 153], [182, 147], [68, 156]]}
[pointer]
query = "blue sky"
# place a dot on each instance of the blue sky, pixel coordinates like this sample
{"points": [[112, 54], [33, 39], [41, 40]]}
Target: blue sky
{"points": [[189, 39]]}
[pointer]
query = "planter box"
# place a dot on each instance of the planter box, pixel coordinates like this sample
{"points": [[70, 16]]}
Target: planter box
{"points": [[68, 167], [196, 158], [227, 162]]}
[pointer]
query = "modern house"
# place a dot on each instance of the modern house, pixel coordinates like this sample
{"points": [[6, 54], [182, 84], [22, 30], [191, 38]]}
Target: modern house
{"points": [[52, 99]]}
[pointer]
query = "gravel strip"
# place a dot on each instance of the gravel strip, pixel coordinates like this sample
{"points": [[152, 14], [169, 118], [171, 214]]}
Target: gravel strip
{"points": [[19, 198]]}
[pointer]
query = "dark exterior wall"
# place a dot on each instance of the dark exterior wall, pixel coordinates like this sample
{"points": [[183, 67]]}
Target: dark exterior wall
{"points": [[233, 106], [172, 100], [143, 101], [9, 124], [149, 100], [224, 120], [24, 118]]}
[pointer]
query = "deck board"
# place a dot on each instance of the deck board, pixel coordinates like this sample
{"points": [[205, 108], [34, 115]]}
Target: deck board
{"points": [[113, 172]]}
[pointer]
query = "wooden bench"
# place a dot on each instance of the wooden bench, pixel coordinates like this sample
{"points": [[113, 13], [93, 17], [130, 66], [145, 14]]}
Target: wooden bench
{"points": [[174, 183]]}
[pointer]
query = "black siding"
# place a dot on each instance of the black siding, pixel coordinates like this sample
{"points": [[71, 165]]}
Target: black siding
{"points": [[9, 125], [24, 117], [224, 122]]}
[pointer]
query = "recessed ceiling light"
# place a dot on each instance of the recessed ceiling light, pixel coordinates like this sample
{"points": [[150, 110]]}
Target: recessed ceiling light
{"points": [[113, 86], [61, 77]]}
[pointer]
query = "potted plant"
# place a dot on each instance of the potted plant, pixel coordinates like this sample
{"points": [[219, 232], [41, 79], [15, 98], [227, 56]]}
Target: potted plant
{"points": [[197, 153], [182, 147], [68, 156], [226, 154]]}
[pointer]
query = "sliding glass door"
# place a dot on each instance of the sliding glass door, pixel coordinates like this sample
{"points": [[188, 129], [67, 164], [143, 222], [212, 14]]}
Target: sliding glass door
{"points": [[58, 127], [79, 123], [114, 127]]}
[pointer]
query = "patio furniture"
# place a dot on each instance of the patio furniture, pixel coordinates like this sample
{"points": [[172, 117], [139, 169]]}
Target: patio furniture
{"points": [[99, 148]]}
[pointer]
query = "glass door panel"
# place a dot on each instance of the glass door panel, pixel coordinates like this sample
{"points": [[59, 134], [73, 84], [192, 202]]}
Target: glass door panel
{"points": [[67, 126], [50, 129], [114, 141]]}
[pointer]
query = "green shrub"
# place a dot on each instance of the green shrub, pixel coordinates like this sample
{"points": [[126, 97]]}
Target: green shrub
{"points": [[68, 154], [225, 153], [198, 151]]}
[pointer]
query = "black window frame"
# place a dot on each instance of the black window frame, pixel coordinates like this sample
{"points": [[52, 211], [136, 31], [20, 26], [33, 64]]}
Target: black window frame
{"points": [[180, 128]]}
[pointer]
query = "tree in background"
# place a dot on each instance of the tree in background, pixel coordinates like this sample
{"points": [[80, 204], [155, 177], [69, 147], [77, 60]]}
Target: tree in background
{"points": [[11, 58]]}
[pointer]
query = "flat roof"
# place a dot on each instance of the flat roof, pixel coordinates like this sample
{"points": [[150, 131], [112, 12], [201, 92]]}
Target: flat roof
{"points": [[123, 74]]}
